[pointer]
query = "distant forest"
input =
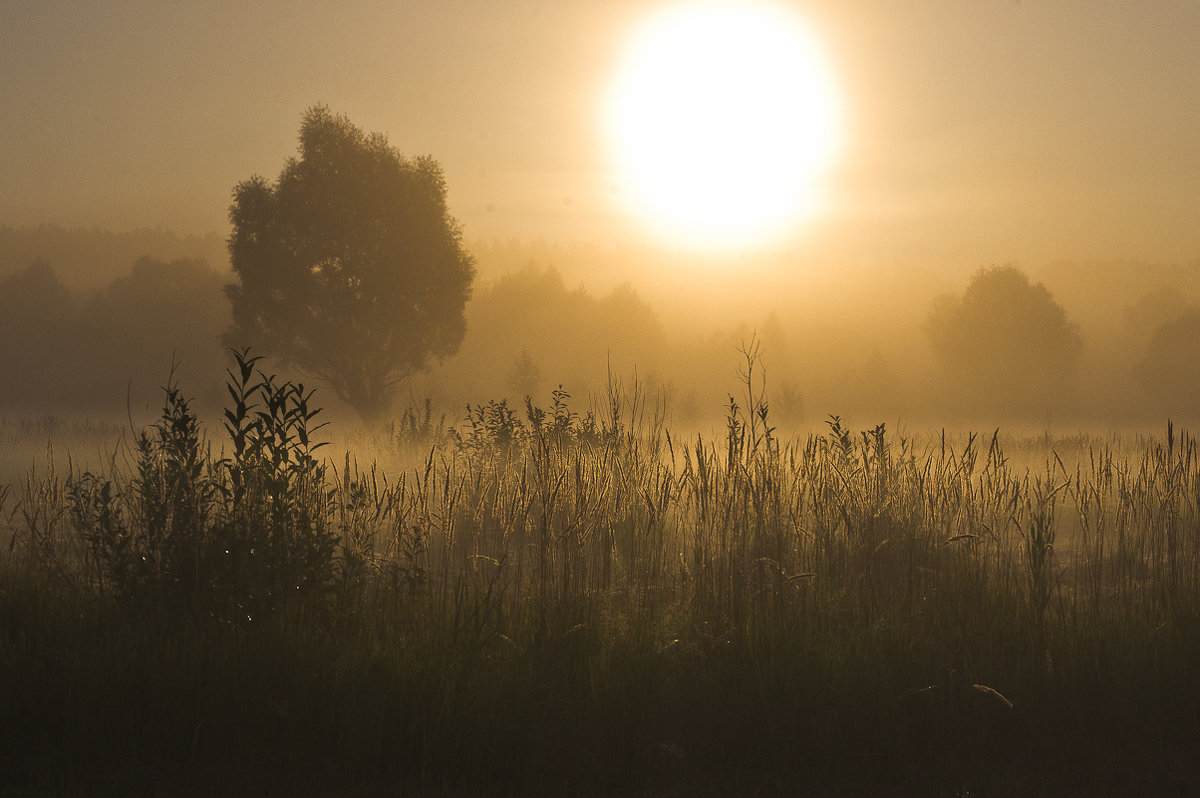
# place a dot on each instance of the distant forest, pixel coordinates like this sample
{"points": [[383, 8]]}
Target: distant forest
{"points": [[88, 259], [91, 321]]}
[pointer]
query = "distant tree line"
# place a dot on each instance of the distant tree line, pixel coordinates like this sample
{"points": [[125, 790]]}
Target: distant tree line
{"points": [[67, 350], [93, 351], [1003, 347], [529, 333], [349, 271], [89, 259]]}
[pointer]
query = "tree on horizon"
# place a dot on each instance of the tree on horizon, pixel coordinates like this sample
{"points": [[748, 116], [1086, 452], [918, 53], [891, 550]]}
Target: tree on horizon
{"points": [[1005, 345], [350, 267]]}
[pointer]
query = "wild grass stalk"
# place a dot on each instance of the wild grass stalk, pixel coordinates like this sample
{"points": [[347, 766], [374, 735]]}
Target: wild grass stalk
{"points": [[588, 598]]}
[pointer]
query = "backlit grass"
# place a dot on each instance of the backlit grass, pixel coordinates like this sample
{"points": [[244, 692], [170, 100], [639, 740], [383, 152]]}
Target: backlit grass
{"points": [[543, 602]]}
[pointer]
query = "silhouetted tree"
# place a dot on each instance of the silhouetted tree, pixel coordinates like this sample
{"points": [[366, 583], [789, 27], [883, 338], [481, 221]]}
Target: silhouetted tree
{"points": [[1005, 344], [351, 268], [33, 298], [1151, 310], [37, 328], [1170, 370], [58, 350], [156, 313], [571, 335]]}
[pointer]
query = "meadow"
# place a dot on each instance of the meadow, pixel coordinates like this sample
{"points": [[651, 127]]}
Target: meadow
{"points": [[545, 600]]}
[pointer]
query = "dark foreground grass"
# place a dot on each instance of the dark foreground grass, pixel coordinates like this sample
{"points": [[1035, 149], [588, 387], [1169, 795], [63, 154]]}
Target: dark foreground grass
{"points": [[97, 703], [567, 606]]}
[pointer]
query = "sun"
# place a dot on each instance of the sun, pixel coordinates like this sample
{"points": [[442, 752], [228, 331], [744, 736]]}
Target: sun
{"points": [[723, 117]]}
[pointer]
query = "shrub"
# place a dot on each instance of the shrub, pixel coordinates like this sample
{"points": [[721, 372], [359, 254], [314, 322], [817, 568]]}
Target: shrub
{"points": [[238, 537]]}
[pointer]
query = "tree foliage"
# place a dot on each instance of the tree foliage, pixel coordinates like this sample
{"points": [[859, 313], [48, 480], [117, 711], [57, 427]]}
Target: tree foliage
{"points": [[157, 313], [87, 259], [350, 267], [37, 328], [62, 350], [568, 335], [1170, 369], [1158, 306], [1005, 344]]}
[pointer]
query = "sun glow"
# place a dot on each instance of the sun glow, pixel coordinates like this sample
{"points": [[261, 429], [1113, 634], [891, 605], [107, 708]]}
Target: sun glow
{"points": [[723, 118]]}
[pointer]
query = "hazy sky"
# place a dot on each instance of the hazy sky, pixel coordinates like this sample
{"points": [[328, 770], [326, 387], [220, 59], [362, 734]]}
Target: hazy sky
{"points": [[978, 131]]}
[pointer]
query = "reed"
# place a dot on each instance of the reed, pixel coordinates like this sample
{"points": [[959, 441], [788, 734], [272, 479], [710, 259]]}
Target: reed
{"points": [[582, 602]]}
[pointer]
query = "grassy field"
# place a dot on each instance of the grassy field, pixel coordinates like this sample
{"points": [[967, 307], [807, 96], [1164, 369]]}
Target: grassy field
{"points": [[543, 602]]}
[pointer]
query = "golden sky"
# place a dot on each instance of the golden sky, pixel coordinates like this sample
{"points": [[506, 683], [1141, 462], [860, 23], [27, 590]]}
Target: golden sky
{"points": [[977, 131]]}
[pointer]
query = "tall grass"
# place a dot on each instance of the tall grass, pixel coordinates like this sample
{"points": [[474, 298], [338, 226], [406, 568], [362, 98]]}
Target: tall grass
{"points": [[550, 601]]}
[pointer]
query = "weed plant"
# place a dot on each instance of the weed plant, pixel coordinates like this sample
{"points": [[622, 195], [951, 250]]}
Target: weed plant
{"points": [[562, 603]]}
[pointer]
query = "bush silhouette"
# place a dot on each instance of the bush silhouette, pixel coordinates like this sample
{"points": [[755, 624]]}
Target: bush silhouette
{"points": [[237, 539], [1005, 345]]}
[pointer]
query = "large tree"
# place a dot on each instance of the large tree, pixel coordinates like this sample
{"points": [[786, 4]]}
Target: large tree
{"points": [[1005, 345], [350, 267]]}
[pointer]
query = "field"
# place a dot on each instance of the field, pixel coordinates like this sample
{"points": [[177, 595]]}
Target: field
{"points": [[543, 601]]}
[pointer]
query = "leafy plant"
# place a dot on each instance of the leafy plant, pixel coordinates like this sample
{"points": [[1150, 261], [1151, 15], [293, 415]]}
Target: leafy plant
{"points": [[232, 538]]}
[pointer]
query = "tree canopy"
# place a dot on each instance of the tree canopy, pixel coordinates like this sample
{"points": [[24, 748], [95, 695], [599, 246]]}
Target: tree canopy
{"points": [[1170, 370], [96, 351], [350, 267], [1005, 344], [531, 323]]}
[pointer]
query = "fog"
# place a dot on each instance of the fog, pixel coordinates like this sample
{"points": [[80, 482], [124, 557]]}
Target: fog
{"points": [[1048, 139], [835, 338]]}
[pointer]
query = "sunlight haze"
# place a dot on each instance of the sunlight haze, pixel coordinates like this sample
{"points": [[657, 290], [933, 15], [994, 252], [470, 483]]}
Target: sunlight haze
{"points": [[600, 397], [975, 132]]}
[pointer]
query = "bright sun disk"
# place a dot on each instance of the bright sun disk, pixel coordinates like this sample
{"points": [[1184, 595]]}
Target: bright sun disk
{"points": [[723, 118]]}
